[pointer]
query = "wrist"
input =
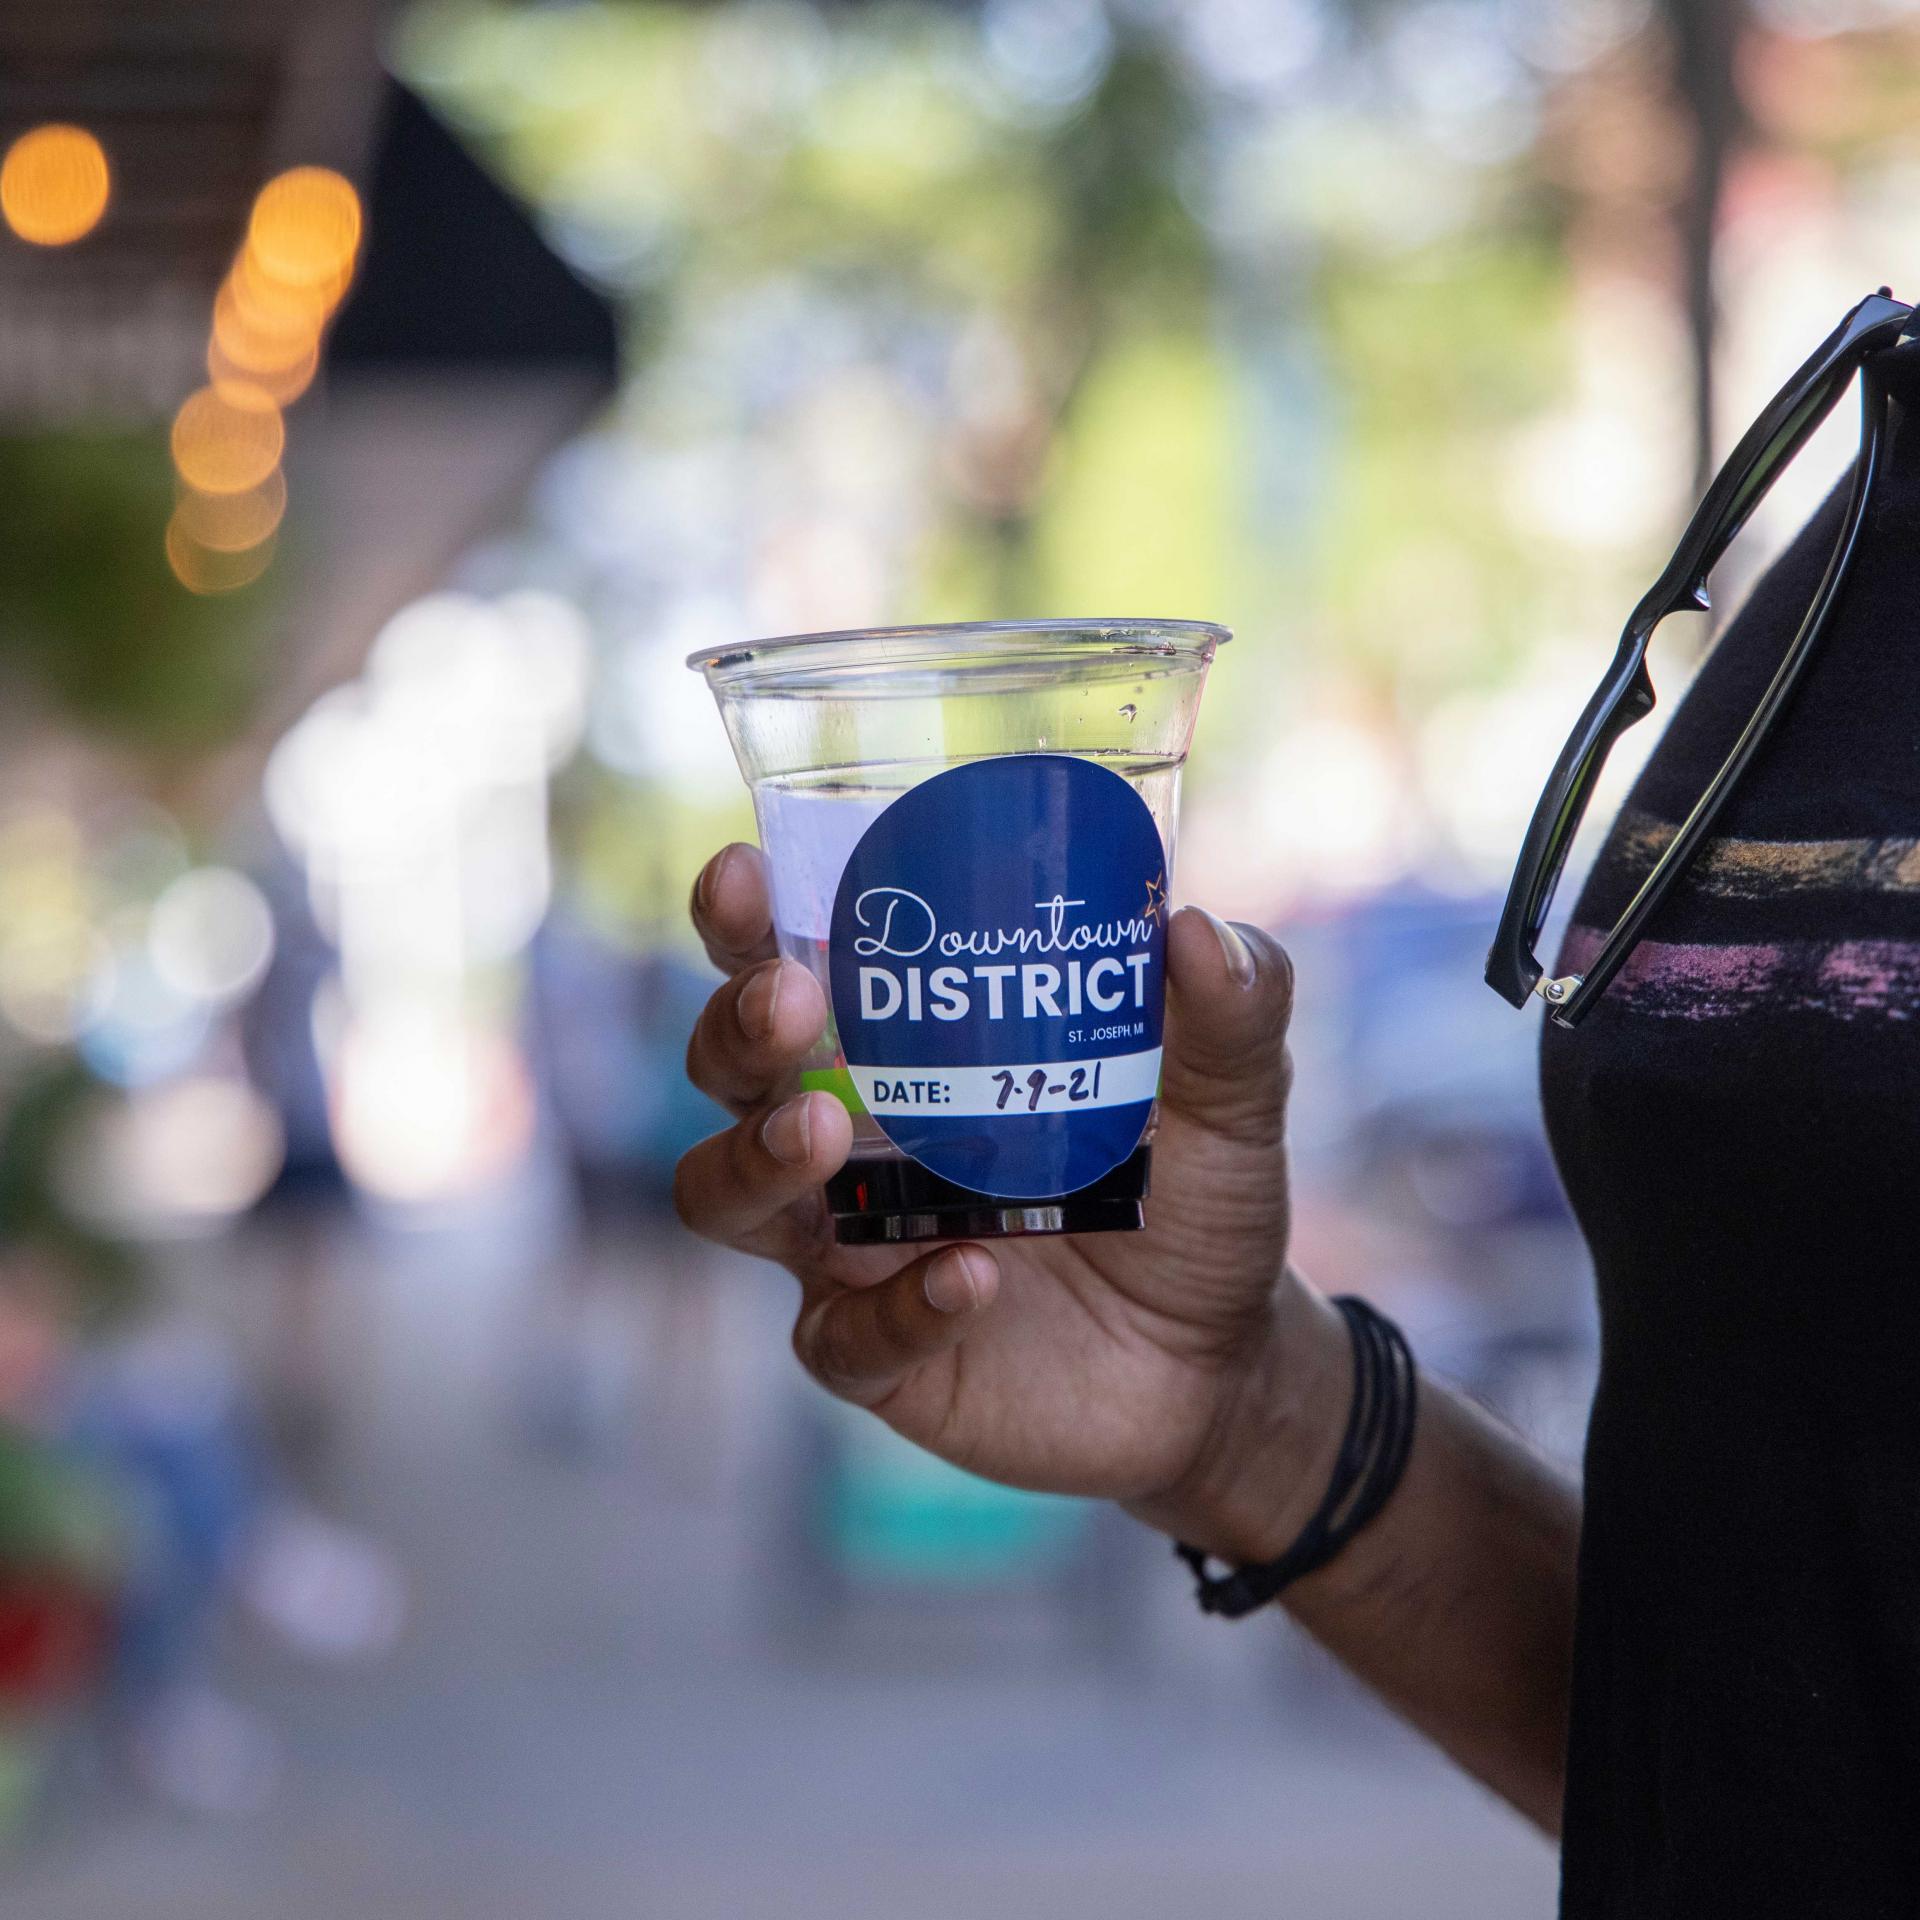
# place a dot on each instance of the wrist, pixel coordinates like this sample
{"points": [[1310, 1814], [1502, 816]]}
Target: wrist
{"points": [[1266, 1463]]}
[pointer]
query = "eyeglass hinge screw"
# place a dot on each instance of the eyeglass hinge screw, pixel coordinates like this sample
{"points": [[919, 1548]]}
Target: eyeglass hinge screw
{"points": [[1557, 990]]}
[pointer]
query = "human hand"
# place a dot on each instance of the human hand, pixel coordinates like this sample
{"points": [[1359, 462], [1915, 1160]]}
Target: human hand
{"points": [[1183, 1370]]}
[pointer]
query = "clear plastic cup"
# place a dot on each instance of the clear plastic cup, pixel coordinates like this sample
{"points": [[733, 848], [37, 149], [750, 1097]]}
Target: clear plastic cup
{"points": [[969, 832]]}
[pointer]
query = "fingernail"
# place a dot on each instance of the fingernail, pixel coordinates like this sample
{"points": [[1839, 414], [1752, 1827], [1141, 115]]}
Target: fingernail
{"points": [[1233, 950], [759, 1001], [708, 884], [788, 1132], [949, 1283]]}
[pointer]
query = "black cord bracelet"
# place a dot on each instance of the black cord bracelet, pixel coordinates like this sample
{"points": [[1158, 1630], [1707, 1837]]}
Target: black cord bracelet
{"points": [[1373, 1455]]}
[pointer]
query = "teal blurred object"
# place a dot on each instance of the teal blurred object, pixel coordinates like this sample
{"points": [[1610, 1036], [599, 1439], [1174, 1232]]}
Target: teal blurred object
{"points": [[888, 1512]]}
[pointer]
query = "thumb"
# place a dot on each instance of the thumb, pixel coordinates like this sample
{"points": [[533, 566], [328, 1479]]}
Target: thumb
{"points": [[1229, 999], [863, 1342]]}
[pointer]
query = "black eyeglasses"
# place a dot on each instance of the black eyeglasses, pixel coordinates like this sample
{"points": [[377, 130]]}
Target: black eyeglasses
{"points": [[1626, 694]]}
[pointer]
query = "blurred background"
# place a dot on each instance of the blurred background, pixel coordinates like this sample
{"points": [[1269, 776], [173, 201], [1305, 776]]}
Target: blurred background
{"points": [[398, 1514]]}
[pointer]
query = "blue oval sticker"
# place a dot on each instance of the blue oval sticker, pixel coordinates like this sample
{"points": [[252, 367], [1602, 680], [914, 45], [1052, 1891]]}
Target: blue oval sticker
{"points": [[997, 960]]}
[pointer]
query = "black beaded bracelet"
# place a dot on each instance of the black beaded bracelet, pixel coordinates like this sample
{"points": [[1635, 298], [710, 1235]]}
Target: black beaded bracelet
{"points": [[1373, 1455]]}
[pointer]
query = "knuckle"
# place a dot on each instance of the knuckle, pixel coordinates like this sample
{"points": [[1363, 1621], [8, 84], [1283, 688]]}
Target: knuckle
{"points": [[837, 1345], [896, 1324], [801, 1340], [748, 1162], [718, 1055], [701, 1041], [1242, 1096]]}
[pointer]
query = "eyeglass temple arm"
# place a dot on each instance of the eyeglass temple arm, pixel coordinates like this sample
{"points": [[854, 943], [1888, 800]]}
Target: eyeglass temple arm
{"points": [[1626, 695], [1574, 1002], [1622, 698], [1787, 422]]}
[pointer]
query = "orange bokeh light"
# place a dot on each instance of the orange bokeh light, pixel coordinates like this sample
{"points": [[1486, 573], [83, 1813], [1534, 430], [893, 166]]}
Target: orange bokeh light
{"points": [[305, 227], [227, 439], [233, 522], [54, 185], [282, 385], [264, 299], [204, 569], [260, 337]]}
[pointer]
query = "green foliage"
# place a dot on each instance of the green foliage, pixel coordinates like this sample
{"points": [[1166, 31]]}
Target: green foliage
{"points": [[91, 617], [1461, 343], [54, 1517], [1130, 238], [876, 155], [619, 843], [1138, 513], [42, 1112]]}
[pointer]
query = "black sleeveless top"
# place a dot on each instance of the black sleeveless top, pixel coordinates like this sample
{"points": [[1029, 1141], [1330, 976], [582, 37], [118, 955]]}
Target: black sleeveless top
{"points": [[1738, 1127]]}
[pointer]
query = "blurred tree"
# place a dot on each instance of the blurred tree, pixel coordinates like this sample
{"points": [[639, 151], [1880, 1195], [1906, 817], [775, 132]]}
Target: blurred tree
{"points": [[1382, 330], [93, 623], [1706, 41], [47, 1105]]}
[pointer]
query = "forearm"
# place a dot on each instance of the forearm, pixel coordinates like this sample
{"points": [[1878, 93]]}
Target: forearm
{"points": [[1456, 1604]]}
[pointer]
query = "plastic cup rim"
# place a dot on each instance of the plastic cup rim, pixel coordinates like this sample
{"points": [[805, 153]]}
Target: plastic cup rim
{"points": [[1093, 631]]}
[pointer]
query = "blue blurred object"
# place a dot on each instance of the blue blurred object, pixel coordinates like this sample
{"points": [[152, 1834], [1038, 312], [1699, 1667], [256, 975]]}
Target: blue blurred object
{"points": [[1443, 1080], [608, 1034], [167, 1426]]}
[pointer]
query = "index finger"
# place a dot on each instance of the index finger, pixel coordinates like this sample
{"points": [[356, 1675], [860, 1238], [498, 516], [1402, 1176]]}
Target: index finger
{"points": [[733, 910]]}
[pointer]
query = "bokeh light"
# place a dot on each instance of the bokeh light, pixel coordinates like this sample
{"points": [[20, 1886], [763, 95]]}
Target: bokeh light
{"points": [[305, 227], [227, 439], [265, 298], [141, 1031], [179, 1157], [50, 947], [259, 335], [233, 522], [263, 352], [211, 935], [208, 570], [54, 185], [282, 385], [430, 1105]]}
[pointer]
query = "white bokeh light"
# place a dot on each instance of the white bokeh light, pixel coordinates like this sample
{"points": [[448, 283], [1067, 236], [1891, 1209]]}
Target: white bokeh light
{"points": [[211, 935]]}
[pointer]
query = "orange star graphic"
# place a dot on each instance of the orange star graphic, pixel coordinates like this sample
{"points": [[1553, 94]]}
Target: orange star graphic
{"points": [[1157, 895]]}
